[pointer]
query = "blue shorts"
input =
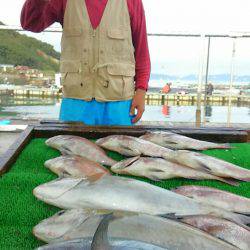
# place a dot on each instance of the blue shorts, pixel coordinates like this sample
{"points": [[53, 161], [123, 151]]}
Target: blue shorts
{"points": [[96, 113]]}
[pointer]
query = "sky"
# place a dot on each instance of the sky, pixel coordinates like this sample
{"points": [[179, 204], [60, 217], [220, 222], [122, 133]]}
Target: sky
{"points": [[179, 56]]}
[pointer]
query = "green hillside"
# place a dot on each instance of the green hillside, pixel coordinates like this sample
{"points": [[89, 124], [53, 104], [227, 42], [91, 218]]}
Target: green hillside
{"points": [[18, 49]]}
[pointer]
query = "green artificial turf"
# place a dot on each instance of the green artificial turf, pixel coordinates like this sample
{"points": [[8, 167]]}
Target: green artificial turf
{"points": [[20, 211]]}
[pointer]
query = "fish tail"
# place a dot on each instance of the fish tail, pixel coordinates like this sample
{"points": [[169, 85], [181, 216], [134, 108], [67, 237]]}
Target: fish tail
{"points": [[247, 179], [239, 218], [228, 181], [225, 146]]}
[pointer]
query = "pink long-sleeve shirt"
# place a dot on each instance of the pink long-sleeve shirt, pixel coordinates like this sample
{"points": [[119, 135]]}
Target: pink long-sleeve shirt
{"points": [[37, 15]]}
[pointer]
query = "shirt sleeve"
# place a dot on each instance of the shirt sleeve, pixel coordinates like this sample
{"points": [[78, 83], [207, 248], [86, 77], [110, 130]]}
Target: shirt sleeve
{"points": [[140, 42], [37, 15]]}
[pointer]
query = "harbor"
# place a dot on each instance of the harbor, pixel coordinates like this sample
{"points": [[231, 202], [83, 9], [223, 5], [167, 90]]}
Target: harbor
{"points": [[151, 97]]}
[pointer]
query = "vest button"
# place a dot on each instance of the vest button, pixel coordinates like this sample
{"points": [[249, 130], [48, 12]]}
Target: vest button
{"points": [[81, 84], [106, 84], [85, 50], [101, 51]]}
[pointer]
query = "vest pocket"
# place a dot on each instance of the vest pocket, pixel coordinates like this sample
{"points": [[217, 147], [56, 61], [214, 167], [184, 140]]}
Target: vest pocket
{"points": [[116, 82], [71, 73], [117, 41], [116, 34]]}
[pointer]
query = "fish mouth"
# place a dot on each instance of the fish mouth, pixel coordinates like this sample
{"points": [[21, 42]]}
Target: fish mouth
{"points": [[48, 142], [101, 141], [56, 188], [124, 164], [64, 221], [48, 163]]}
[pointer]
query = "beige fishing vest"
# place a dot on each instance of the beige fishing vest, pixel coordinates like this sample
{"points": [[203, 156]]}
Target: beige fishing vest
{"points": [[97, 63]]}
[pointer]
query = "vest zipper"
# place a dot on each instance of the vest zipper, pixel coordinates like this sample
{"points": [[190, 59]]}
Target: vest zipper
{"points": [[96, 59]]}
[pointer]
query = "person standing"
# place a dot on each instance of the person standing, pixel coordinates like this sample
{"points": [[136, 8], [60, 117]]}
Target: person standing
{"points": [[210, 89], [166, 89], [105, 62]]}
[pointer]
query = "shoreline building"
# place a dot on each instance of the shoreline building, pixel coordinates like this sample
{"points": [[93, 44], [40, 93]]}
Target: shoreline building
{"points": [[4, 67]]}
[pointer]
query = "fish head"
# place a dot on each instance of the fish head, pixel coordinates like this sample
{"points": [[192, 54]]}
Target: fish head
{"points": [[147, 136], [121, 166], [59, 165], [54, 164], [59, 141], [56, 141], [55, 227], [109, 141], [55, 189]]}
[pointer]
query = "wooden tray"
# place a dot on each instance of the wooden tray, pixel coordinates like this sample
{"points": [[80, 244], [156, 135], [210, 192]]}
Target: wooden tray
{"points": [[51, 128]]}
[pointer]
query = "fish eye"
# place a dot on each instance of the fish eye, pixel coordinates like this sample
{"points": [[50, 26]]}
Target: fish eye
{"points": [[61, 212]]}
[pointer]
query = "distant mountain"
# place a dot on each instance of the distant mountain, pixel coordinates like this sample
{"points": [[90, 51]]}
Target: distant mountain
{"points": [[212, 78], [20, 49]]}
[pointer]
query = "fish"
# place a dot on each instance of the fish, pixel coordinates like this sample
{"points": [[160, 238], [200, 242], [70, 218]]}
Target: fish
{"points": [[155, 230], [101, 241], [222, 229], [218, 198], [158, 169], [115, 244], [132, 146], [76, 166], [76, 145], [124, 194], [176, 141], [209, 164]]}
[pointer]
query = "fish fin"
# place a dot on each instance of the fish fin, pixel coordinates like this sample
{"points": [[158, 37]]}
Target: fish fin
{"points": [[65, 175], [231, 182], [65, 151], [214, 229], [124, 164], [240, 219], [226, 146], [153, 177], [171, 216], [155, 170], [244, 179], [203, 167], [96, 177], [100, 238]]}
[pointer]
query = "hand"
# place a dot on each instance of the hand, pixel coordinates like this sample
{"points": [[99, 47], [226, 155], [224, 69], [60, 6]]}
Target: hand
{"points": [[138, 104]]}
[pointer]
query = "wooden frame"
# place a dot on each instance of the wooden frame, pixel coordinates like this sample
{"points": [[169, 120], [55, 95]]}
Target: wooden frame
{"points": [[51, 128]]}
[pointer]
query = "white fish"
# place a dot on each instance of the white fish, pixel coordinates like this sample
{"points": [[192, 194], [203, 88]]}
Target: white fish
{"points": [[170, 234], [159, 169], [75, 145], [123, 194], [210, 165], [222, 229], [218, 198], [132, 146], [101, 241], [176, 141], [76, 166]]}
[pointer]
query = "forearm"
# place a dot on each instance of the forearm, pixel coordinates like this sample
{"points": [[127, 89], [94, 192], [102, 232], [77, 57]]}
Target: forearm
{"points": [[37, 15], [143, 69]]}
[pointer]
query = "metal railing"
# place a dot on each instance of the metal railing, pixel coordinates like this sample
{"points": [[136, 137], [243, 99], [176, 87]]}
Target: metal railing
{"points": [[205, 39]]}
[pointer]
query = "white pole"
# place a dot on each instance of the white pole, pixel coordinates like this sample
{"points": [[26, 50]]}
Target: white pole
{"points": [[206, 79], [200, 80], [231, 83]]}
